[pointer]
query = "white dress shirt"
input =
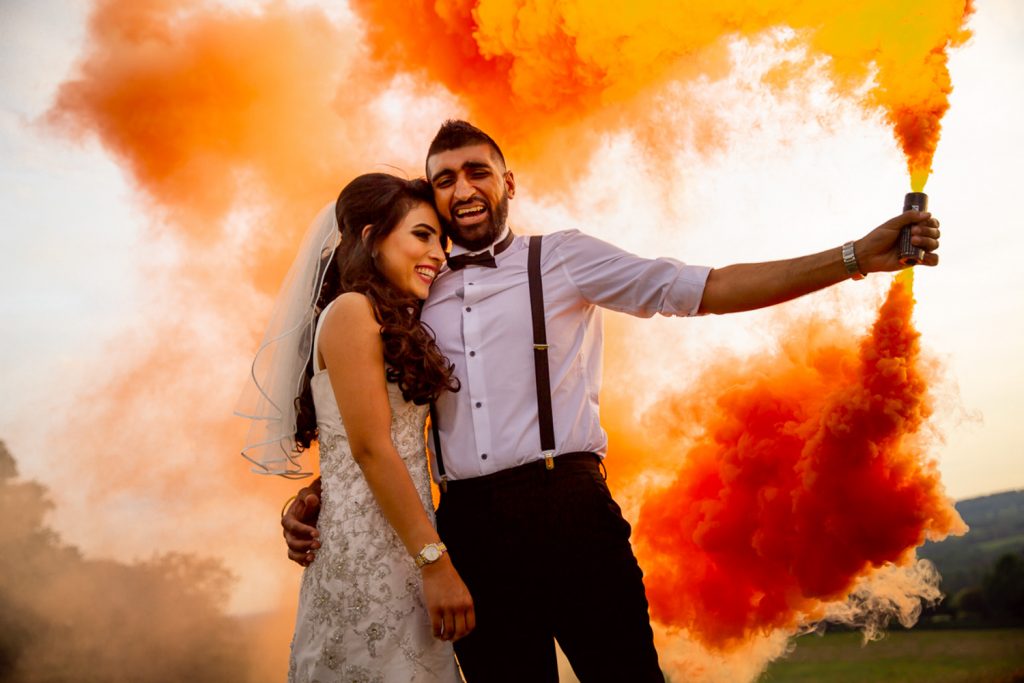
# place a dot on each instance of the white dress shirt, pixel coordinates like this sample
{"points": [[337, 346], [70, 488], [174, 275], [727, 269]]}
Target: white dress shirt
{"points": [[481, 317]]}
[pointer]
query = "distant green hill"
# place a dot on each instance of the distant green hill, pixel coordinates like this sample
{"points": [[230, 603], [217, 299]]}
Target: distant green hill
{"points": [[997, 528]]}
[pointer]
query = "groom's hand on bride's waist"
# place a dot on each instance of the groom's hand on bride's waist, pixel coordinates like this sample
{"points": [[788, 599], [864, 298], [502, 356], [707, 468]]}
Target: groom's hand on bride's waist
{"points": [[299, 524]]}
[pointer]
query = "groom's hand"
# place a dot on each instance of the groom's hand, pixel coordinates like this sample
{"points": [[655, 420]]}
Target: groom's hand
{"points": [[878, 251], [299, 524]]}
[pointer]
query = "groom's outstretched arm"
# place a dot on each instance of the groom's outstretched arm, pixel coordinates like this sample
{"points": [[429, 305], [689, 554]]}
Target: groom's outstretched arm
{"points": [[299, 523], [747, 286]]}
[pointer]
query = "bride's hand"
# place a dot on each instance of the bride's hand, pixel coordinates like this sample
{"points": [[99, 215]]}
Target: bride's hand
{"points": [[448, 601]]}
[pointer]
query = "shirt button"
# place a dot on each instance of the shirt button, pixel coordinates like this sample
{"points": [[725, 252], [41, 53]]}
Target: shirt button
{"points": [[468, 309], [472, 353], [483, 456], [478, 404]]}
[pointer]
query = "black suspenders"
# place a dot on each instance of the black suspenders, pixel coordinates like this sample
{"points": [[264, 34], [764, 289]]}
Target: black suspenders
{"points": [[540, 355], [540, 361]]}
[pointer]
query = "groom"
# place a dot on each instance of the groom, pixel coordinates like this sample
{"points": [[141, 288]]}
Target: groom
{"points": [[534, 532]]}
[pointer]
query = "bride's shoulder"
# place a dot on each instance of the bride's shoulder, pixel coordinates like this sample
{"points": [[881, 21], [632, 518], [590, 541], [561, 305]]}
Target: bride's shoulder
{"points": [[351, 311]]}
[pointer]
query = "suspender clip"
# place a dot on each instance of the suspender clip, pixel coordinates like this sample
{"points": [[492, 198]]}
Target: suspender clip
{"points": [[549, 460], [540, 347]]}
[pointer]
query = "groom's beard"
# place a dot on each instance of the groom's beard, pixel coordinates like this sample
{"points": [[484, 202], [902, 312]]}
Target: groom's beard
{"points": [[492, 228]]}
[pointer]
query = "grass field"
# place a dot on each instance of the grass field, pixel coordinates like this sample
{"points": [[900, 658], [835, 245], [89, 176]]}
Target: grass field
{"points": [[994, 656]]}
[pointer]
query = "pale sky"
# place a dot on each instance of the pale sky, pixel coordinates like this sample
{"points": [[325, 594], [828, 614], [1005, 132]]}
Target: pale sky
{"points": [[79, 250]]}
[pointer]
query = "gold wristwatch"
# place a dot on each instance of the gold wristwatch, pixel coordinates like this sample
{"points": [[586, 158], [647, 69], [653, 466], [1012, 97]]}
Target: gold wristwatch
{"points": [[430, 554]]}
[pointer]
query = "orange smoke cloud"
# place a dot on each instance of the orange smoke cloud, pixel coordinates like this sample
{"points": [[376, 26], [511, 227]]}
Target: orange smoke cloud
{"points": [[214, 110], [207, 117], [913, 79], [186, 98], [525, 70], [810, 474]]}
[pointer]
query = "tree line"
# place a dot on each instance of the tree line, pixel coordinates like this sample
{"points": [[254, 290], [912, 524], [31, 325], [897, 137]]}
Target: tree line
{"points": [[64, 617], [982, 571]]}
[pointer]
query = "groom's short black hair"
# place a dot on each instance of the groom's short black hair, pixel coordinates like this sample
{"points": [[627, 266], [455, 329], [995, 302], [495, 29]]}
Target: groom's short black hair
{"points": [[455, 133]]}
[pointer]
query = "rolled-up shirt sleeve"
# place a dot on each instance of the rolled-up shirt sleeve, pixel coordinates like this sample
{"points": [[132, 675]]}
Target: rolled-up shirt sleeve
{"points": [[615, 279]]}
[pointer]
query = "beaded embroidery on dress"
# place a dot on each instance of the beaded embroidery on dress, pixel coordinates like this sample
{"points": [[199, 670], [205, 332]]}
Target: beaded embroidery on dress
{"points": [[361, 616]]}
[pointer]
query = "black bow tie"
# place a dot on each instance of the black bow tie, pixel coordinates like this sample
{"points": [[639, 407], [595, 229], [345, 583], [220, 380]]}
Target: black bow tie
{"points": [[484, 259]]}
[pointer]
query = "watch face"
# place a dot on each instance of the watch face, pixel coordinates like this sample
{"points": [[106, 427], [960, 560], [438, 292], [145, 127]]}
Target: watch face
{"points": [[431, 554]]}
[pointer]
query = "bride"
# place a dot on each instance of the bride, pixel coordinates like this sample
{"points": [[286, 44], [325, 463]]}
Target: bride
{"points": [[347, 362]]}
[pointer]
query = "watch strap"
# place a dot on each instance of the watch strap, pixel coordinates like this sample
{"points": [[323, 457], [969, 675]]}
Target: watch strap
{"points": [[850, 261]]}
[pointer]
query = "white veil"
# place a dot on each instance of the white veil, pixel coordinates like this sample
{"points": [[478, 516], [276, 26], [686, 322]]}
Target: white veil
{"points": [[280, 363]]}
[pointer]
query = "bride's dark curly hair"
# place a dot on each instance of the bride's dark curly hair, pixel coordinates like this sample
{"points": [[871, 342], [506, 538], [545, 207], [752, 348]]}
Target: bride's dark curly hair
{"points": [[411, 356]]}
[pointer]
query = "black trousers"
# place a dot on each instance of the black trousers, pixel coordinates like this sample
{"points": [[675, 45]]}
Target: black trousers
{"points": [[546, 555]]}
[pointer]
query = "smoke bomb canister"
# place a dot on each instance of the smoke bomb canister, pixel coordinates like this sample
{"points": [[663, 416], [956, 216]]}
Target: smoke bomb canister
{"points": [[909, 254]]}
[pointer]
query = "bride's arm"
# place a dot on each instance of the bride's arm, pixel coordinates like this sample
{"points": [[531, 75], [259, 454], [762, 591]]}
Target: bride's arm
{"points": [[353, 352]]}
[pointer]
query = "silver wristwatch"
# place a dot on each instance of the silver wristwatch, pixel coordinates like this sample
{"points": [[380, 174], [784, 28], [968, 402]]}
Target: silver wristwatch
{"points": [[850, 261], [430, 553]]}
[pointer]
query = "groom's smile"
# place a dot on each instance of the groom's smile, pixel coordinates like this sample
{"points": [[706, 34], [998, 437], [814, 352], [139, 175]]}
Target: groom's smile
{"points": [[470, 212]]}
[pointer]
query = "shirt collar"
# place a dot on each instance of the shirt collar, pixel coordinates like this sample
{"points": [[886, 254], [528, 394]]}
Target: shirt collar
{"points": [[457, 249]]}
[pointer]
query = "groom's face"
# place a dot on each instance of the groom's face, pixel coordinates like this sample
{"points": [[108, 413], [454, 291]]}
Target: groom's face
{"points": [[471, 191]]}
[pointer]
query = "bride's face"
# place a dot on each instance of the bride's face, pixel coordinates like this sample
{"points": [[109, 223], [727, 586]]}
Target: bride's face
{"points": [[411, 255]]}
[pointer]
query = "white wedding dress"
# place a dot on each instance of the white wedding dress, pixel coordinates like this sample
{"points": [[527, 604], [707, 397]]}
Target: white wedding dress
{"points": [[361, 615]]}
